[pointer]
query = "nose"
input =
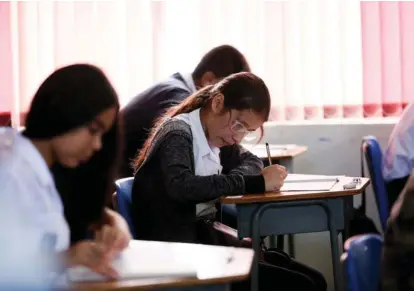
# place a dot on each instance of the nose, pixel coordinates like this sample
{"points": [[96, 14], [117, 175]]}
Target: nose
{"points": [[237, 138], [97, 143]]}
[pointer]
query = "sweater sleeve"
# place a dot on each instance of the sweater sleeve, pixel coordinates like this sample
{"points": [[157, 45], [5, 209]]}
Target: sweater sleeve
{"points": [[176, 160], [237, 160]]}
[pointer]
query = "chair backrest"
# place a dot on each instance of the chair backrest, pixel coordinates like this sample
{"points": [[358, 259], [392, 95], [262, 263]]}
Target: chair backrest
{"points": [[362, 260], [124, 200], [373, 156]]}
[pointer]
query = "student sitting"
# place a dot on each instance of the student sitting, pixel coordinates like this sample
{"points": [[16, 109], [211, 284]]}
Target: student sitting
{"points": [[193, 157], [143, 110], [398, 250], [71, 123], [398, 162]]}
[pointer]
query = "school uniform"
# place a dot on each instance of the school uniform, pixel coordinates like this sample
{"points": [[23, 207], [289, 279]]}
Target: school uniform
{"points": [[398, 161], [397, 266], [175, 188], [32, 219]]}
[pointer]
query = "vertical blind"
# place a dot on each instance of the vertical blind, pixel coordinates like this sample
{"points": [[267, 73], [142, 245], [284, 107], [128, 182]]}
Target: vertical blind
{"points": [[321, 59]]}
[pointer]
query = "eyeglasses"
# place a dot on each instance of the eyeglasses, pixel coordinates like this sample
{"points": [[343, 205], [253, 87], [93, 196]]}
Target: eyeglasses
{"points": [[238, 128]]}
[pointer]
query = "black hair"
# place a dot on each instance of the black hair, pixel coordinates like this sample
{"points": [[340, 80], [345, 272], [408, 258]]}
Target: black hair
{"points": [[69, 98], [223, 61]]}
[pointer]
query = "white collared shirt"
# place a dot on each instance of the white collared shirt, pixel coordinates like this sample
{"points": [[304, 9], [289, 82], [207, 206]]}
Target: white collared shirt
{"points": [[206, 156], [398, 161], [31, 211]]}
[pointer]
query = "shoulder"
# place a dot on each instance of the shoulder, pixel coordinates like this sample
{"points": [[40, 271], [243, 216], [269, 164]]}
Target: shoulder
{"points": [[173, 132], [12, 152], [21, 164], [174, 126], [169, 86], [168, 90], [405, 125]]}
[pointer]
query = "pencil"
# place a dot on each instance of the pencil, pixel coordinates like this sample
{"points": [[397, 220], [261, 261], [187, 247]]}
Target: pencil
{"points": [[268, 154]]}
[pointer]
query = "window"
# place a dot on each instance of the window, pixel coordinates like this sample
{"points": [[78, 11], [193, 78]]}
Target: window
{"points": [[320, 59]]}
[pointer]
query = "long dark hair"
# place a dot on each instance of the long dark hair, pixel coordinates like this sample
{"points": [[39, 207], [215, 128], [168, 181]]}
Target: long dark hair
{"points": [[69, 98], [242, 91]]}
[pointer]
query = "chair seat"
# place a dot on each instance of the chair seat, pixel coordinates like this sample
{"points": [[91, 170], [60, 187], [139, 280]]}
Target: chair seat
{"points": [[362, 260]]}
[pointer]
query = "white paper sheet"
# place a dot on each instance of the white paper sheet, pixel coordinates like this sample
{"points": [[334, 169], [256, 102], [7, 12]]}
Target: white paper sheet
{"points": [[145, 260], [301, 182], [293, 178], [308, 186]]}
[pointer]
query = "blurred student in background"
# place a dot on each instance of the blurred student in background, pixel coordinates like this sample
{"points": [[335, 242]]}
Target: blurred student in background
{"points": [[72, 127], [398, 162], [398, 251], [143, 110]]}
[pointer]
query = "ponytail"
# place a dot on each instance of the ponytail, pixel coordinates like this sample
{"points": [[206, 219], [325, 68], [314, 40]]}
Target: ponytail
{"points": [[242, 91], [198, 100]]}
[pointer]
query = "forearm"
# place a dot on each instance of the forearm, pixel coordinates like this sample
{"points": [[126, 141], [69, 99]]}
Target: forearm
{"points": [[182, 184], [238, 160], [199, 189]]}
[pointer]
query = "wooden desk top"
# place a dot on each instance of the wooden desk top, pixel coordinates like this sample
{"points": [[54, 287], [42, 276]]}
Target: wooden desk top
{"points": [[336, 191], [277, 152], [208, 270]]}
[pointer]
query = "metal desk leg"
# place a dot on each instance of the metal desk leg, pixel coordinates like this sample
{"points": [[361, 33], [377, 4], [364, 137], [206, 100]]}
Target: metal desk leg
{"points": [[333, 233], [256, 238], [288, 164]]}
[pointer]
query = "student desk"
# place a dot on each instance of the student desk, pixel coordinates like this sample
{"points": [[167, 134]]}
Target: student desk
{"points": [[210, 278], [282, 154], [296, 212]]}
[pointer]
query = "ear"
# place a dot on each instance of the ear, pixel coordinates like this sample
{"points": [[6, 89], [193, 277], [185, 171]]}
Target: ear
{"points": [[208, 78], [217, 104]]}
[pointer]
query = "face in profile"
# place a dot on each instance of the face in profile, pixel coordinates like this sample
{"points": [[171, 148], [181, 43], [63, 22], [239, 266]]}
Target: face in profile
{"points": [[79, 145], [230, 126]]}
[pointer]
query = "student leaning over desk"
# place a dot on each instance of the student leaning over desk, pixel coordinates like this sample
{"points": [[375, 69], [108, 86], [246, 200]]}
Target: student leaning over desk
{"points": [[398, 161], [71, 126], [193, 157], [144, 109]]}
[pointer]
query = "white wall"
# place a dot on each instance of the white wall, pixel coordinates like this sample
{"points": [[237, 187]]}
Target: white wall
{"points": [[332, 149]]}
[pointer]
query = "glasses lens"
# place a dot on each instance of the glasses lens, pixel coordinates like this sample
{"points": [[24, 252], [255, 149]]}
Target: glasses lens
{"points": [[238, 128]]}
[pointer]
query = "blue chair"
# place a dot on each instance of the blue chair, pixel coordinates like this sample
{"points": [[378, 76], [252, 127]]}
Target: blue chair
{"points": [[362, 259], [373, 156], [124, 200]]}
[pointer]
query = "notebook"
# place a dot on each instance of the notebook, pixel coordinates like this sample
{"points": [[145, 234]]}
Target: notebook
{"points": [[144, 259]]}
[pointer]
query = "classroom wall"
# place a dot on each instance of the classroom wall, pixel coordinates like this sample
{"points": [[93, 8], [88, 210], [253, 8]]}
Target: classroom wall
{"points": [[332, 149]]}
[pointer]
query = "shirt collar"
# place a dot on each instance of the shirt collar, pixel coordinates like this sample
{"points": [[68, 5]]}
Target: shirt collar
{"points": [[36, 161], [189, 81], [199, 135]]}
